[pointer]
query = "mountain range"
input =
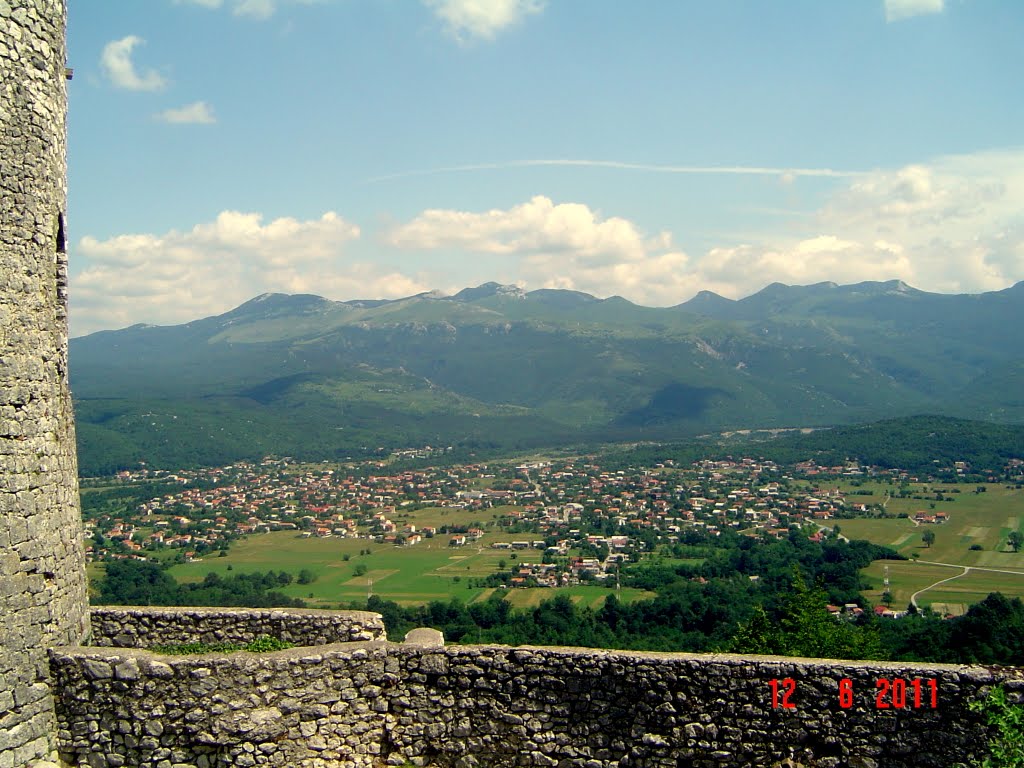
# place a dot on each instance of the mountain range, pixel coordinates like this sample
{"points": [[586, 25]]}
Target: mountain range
{"points": [[497, 367]]}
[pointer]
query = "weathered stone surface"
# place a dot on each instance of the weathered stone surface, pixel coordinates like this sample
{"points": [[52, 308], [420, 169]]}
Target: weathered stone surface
{"points": [[133, 627], [42, 563], [360, 704], [424, 636]]}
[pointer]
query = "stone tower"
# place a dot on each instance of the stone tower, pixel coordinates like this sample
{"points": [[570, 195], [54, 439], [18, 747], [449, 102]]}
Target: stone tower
{"points": [[43, 598]]}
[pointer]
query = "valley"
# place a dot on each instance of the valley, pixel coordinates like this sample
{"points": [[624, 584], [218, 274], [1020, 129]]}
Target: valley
{"points": [[550, 467], [574, 525]]}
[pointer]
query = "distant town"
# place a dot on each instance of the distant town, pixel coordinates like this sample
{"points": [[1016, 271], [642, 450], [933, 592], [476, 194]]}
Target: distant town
{"points": [[586, 519]]}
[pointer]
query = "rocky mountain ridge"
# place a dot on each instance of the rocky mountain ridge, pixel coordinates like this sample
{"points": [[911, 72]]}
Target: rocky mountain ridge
{"points": [[499, 366]]}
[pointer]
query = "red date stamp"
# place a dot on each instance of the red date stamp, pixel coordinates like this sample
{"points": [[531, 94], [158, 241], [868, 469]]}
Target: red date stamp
{"points": [[889, 693]]}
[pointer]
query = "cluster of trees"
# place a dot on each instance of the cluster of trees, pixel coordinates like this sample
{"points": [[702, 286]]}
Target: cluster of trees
{"points": [[699, 607], [716, 606], [992, 632], [137, 582], [748, 596], [801, 625], [925, 446], [921, 445]]}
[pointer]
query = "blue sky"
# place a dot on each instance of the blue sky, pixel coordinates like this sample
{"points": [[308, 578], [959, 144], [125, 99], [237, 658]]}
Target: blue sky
{"points": [[219, 149]]}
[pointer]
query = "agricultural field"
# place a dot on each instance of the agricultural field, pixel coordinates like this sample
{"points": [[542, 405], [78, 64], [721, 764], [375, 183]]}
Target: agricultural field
{"points": [[975, 519], [583, 596], [349, 570]]}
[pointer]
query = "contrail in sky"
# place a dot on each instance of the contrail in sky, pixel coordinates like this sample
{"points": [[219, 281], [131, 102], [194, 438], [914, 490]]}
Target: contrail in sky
{"points": [[733, 170]]}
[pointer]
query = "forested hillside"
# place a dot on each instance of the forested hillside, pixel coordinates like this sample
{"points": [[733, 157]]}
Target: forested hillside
{"points": [[498, 369]]}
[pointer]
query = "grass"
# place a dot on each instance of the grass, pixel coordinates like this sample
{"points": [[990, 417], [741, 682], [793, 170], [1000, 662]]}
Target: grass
{"points": [[430, 570], [409, 576], [441, 516], [905, 578], [582, 596], [982, 519]]}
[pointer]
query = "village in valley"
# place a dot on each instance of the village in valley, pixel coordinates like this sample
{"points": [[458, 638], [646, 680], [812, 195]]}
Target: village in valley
{"points": [[217, 505], [553, 522]]}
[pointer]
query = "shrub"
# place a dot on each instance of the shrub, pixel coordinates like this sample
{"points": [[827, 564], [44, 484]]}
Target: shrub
{"points": [[261, 644], [1006, 748]]}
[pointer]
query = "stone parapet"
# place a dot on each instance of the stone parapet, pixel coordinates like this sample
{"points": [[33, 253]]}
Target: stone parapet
{"points": [[129, 707], [360, 704], [133, 627]]}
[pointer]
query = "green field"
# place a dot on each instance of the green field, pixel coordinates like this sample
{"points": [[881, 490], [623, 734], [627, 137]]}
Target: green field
{"points": [[451, 516], [412, 575], [982, 519], [583, 596]]}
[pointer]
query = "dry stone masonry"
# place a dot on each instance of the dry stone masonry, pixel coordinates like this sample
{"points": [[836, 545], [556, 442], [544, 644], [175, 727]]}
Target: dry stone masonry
{"points": [[346, 698], [42, 564], [149, 627], [364, 704]]}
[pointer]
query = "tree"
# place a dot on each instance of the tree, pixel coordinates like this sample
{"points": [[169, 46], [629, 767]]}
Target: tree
{"points": [[306, 576], [804, 627], [928, 537], [991, 632], [131, 582], [359, 570], [1015, 540]]}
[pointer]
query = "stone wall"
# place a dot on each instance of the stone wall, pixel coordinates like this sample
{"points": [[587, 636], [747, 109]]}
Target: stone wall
{"points": [[148, 627], [362, 704], [42, 565], [290, 708]]}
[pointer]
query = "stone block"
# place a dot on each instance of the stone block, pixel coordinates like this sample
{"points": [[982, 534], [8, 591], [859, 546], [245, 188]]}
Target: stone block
{"points": [[424, 637]]}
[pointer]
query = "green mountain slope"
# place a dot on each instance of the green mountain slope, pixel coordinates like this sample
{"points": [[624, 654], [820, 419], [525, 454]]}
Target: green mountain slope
{"points": [[936, 344], [495, 367]]}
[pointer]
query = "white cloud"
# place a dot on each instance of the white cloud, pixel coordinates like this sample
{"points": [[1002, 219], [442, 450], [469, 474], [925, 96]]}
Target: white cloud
{"points": [[786, 175], [257, 9], [180, 276], [196, 113], [116, 62], [895, 10], [564, 245], [253, 9], [481, 19], [958, 219], [952, 225], [568, 245], [739, 271], [534, 227]]}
